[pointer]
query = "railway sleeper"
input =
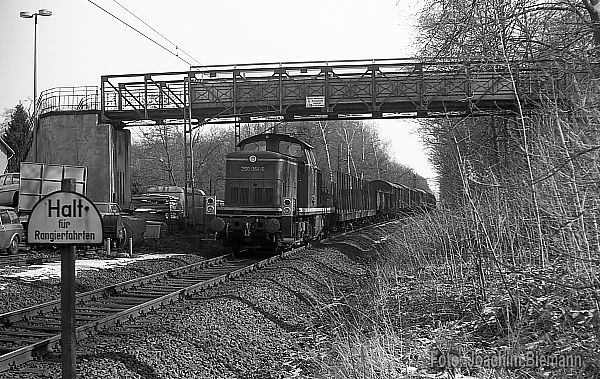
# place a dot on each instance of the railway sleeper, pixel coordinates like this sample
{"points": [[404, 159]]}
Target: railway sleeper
{"points": [[126, 298], [166, 289], [27, 334], [53, 320], [90, 318], [147, 294], [183, 283], [93, 310], [119, 306], [39, 328], [17, 340]]}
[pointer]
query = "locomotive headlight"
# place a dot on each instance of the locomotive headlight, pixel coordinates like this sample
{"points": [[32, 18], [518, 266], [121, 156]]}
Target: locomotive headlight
{"points": [[211, 204], [287, 206]]}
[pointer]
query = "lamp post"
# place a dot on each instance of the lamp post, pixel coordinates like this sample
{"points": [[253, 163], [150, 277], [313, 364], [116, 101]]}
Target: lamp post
{"points": [[25, 14]]}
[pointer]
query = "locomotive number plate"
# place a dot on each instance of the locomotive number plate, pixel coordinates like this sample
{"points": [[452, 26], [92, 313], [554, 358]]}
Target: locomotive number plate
{"points": [[252, 168]]}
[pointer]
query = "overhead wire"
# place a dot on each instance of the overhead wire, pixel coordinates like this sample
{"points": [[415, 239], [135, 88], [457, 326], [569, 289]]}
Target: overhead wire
{"points": [[159, 33], [144, 35]]}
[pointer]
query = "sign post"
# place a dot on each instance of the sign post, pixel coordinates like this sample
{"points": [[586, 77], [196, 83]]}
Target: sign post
{"points": [[68, 338], [68, 219]]}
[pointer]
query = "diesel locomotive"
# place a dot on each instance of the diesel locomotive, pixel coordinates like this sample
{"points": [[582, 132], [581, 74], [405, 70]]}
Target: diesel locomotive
{"points": [[275, 197]]}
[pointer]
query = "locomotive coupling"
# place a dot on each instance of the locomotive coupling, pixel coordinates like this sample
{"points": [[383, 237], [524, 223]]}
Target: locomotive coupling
{"points": [[272, 226], [217, 224]]}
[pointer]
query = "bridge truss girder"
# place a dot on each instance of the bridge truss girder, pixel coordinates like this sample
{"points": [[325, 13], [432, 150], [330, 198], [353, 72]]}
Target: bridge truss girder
{"points": [[319, 90]]}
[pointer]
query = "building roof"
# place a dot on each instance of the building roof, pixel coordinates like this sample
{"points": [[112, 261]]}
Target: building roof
{"points": [[9, 152]]}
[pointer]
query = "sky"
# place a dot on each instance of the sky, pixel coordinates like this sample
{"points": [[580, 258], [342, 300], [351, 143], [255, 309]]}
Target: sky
{"points": [[80, 42]]}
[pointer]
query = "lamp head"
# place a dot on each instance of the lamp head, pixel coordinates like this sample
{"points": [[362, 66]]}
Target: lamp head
{"points": [[26, 14], [45, 12]]}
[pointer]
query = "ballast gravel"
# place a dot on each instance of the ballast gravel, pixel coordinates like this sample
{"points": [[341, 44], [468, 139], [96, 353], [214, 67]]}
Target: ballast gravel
{"points": [[17, 293], [258, 326]]}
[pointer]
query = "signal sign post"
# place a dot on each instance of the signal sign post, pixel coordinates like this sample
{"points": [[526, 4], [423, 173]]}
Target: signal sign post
{"points": [[68, 219]]}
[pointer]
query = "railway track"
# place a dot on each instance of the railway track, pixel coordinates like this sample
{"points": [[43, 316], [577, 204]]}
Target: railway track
{"points": [[26, 259], [39, 258], [32, 332]]}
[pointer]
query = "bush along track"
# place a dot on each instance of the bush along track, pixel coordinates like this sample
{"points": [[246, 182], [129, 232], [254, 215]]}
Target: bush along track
{"points": [[423, 313]]}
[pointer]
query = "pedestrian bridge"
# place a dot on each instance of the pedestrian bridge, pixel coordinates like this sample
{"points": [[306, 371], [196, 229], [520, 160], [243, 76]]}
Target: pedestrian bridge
{"points": [[357, 89]]}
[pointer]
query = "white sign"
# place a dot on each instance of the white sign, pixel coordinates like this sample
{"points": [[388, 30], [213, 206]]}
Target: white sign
{"points": [[64, 218], [315, 101]]}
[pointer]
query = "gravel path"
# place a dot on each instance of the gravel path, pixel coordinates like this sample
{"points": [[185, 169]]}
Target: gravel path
{"points": [[264, 325]]}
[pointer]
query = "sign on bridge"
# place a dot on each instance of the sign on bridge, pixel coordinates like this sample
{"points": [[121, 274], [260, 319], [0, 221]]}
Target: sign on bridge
{"points": [[315, 101]]}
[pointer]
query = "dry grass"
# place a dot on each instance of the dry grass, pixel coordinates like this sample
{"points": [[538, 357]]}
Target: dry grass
{"points": [[436, 291]]}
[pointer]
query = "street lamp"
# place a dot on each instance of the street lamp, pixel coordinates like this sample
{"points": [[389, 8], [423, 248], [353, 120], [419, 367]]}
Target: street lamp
{"points": [[41, 12], [24, 14]]}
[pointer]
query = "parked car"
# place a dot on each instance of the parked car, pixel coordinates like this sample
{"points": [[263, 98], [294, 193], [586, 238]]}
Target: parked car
{"points": [[112, 221], [120, 225], [11, 230], [9, 189]]}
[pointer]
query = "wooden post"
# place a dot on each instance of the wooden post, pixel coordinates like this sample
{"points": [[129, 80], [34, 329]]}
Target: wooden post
{"points": [[68, 339]]}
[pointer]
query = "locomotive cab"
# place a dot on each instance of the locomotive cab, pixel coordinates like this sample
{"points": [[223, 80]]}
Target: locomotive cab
{"points": [[272, 184]]}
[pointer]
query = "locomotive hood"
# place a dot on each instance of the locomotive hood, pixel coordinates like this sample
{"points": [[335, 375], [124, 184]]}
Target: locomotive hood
{"points": [[257, 154]]}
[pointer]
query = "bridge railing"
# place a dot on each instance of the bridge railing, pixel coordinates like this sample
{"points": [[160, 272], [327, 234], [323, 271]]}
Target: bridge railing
{"points": [[321, 89], [367, 88], [68, 99]]}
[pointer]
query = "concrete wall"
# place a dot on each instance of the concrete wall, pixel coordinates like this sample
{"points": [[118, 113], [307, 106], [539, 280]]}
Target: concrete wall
{"points": [[77, 139]]}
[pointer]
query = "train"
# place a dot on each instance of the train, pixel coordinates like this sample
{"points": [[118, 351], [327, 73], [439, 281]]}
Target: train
{"points": [[275, 197]]}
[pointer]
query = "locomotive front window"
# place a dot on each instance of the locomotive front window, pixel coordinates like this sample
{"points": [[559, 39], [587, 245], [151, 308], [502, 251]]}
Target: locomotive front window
{"points": [[256, 146], [258, 196], [290, 148], [269, 196], [245, 198], [234, 195]]}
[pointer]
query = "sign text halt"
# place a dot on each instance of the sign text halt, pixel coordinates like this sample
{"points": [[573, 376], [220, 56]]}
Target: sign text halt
{"points": [[64, 218]]}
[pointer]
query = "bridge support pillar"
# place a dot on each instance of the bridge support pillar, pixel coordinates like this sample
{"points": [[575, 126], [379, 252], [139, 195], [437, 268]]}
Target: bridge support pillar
{"points": [[77, 139]]}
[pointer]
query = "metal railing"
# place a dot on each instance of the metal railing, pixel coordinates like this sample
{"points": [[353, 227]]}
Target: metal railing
{"points": [[68, 99], [325, 90]]}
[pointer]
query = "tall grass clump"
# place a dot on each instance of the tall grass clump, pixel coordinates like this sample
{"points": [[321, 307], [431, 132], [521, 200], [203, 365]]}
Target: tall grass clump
{"points": [[467, 286]]}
